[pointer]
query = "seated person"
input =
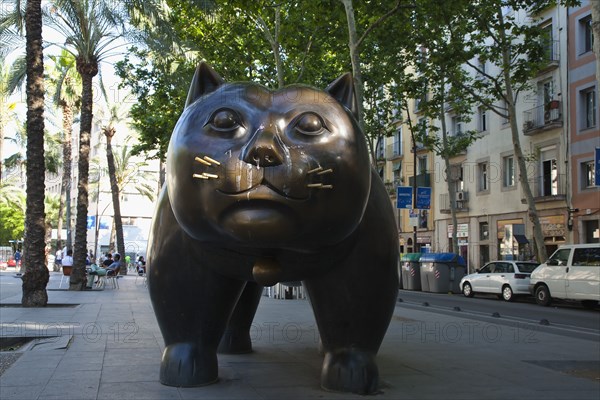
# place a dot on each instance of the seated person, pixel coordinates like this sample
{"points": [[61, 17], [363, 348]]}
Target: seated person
{"points": [[141, 266], [112, 269]]}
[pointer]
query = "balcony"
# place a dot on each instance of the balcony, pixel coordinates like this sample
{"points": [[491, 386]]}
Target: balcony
{"points": [[551, 56], [423, 180], [462, 202], [392, 185], [549, 187], [393, 151], [542, 118]]}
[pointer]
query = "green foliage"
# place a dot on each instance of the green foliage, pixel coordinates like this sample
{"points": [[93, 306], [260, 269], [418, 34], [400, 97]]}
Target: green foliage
{"points": [[12, 210]]}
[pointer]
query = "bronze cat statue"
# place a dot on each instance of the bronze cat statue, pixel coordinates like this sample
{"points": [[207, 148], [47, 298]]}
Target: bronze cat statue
{"points": [[264, 187]]}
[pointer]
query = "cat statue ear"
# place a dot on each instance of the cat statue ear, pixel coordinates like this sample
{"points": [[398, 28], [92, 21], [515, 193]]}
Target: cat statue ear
{"points": [[205, 80], [342, 89]]}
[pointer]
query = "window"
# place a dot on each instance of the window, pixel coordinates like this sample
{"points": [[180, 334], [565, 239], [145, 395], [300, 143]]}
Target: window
{"points": [[586, 35], [548, 43], [588, 98], [587, 257], [457, 126], [397, 149], [458, 177], [397, 169], [422, 165], [484, 231], [483, 181], [549, 178], [380, 152], [482, 116], [588, 173], [508, 171], [546, 92], [560, 257], [549, 171]]}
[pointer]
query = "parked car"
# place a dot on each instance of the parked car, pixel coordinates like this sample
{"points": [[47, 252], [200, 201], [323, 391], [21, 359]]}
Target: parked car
{"points": [[504, 278], [571, 273]]}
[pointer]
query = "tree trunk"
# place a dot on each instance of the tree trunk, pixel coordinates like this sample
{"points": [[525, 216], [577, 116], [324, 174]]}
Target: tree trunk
{"points": [[450, 174], [596, 29], [36, 274], [65, 192], [114, 188], [1, 147], [514, 130], [355, 59], [78, 274]]}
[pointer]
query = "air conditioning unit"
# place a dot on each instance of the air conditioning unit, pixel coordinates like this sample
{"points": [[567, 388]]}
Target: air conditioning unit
{"points": [[461, 196]]}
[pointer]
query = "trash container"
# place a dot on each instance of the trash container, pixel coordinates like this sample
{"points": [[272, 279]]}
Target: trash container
{"points": [[410, 273], [442, 272]]}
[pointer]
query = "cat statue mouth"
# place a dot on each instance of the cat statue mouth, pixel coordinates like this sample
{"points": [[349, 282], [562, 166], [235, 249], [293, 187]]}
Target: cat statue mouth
{"points": [[252, 182]]}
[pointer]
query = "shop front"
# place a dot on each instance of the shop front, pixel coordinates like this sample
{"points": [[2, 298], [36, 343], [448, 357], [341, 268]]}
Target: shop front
{"points": [[554, 230], [512, 240], [462, 235]]}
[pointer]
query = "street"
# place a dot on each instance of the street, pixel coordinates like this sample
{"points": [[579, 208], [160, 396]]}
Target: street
{"points": [[563, 318]]}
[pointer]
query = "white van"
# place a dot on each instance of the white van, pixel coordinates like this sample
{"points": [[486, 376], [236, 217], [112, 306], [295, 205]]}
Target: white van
{"points": [[572, 273]]}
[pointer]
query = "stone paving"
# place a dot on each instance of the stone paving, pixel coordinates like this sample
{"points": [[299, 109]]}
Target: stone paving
{"points": [[105, 344]]}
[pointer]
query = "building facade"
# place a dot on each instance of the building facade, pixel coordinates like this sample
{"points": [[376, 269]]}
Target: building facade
{"points": [[558, 124]]}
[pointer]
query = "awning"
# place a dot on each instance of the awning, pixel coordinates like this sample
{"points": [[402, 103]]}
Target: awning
{"points": [[396, 167], [521, 239]]}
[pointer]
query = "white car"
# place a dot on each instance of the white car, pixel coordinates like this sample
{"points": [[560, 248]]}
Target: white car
{"points": [[571, 273], [505, 278]]}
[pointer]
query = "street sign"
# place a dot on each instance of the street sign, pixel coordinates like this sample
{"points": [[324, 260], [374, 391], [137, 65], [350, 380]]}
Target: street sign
{"points": [[423, 198], [597, 167], [91, 221], [404, 197]]}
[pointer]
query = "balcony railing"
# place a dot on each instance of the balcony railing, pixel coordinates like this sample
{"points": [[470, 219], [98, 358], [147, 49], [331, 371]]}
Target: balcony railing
{"points": [[393, 150], [551, 56], [423, 180], [541, 118], [549, 187], [462, 202]]}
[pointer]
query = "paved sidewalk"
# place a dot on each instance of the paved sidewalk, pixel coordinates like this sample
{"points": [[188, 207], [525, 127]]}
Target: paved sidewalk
{"points": [[107, 345]]}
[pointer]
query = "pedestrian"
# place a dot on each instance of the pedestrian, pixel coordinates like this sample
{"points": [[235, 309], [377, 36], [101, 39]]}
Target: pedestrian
{"points": [[107, 260], [67, 262], [58, 259], [17, 258]]}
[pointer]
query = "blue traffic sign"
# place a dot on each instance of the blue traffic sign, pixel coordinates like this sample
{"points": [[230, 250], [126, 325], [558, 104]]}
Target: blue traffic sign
{"points": [[423, 198], [404, 197], [597, 166]]}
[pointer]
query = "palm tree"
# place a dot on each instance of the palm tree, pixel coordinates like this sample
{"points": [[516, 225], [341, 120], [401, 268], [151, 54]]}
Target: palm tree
{"points": [[67, 96], [109, 131], [92, 31], [89, 28], [36, 275], [7, 107]]}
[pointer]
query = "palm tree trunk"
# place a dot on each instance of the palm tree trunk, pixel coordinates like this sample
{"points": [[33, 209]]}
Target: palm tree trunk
{"points": [[67, 123], [36, 274], [114, 188], [78, 275]]}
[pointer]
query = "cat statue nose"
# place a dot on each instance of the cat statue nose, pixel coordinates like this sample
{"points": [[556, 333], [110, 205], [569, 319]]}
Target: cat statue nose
{"points": [[264, 149]]}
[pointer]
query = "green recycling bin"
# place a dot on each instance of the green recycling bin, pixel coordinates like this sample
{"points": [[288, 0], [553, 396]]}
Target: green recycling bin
{"points": [[442, 272], [410, 271]]}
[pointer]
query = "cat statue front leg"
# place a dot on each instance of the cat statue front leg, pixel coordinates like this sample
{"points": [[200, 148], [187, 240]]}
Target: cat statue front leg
{"points": [[353, 303], [192, 303]]}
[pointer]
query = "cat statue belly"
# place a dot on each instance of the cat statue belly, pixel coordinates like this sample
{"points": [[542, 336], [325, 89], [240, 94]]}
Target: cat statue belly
{"points": [[264, 187]]}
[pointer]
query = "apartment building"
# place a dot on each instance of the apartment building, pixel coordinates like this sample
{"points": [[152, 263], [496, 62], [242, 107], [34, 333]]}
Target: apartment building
{"points": [[558, 121], [399, 165], [584, 130]]}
